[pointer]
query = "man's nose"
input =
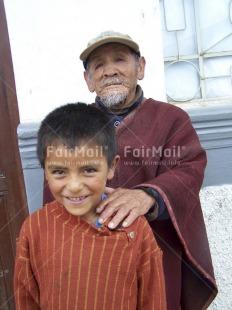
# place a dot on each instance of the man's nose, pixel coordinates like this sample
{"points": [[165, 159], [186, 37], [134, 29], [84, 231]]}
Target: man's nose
{"points": [[110, 70]]}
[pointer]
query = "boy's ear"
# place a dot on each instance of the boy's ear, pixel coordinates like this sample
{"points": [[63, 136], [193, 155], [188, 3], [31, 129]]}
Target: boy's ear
{"points": [[45, 175], [89, 82], [113, 167]]}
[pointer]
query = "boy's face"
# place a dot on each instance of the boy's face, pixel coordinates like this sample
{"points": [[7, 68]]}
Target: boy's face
{"points": [[77, 178]]}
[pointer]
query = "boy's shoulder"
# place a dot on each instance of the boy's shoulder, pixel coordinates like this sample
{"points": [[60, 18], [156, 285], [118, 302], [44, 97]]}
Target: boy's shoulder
{"points": [[35, 218], [47, 208], [140, 226], [141, 220]]}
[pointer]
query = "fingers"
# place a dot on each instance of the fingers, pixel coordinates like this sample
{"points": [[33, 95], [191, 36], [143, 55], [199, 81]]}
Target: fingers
{"points": [[116, 220], [109, 190], [104, 203], [108, 207]]}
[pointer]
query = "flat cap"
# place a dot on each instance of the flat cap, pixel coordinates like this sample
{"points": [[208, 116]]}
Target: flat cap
{"points": [[109, 37]]}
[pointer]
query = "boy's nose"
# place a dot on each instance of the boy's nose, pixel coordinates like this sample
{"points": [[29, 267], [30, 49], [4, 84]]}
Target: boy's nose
{"points": [[74, 185]]}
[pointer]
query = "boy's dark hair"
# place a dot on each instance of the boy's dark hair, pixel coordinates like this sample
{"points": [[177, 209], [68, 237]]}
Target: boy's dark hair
{"points": [[73, 125]]}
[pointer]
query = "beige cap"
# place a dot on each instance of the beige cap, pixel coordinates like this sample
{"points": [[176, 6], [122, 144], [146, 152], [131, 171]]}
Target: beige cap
{"points": [[108, 37]]}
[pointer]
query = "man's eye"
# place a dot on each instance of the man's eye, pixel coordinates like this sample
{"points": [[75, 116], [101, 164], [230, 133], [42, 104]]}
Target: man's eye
{"points": [[119, 59], [99, 65]]}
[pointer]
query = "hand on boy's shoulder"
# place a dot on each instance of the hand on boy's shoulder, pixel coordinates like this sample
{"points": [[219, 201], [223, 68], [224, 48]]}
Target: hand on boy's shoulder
{"points": [[140, 228], [124, 206]]}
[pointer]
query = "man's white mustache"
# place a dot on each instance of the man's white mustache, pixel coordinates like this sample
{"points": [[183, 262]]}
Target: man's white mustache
{"points": [[112, 81]]}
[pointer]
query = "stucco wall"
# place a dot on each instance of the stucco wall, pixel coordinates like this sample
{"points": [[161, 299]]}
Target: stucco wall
{"points": [[47, 38]]}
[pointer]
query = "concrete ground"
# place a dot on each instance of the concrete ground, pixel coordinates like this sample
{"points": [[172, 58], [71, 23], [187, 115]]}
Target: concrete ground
{"points": [[217, 208]]}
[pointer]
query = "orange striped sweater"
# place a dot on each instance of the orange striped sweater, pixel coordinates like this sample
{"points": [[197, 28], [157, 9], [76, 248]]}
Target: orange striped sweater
{"points": [[63, 262]]}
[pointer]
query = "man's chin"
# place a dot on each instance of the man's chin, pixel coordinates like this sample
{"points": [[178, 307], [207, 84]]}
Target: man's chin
{"points": [[113, 100], [112, 104]]}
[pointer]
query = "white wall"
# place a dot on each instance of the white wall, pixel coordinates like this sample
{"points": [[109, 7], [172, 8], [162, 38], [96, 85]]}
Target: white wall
{"points": [[47, 38]]}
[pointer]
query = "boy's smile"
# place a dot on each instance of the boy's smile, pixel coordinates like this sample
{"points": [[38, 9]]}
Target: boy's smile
{"points": [[78, 179]]}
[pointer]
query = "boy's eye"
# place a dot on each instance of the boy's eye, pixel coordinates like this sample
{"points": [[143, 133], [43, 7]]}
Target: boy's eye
{"points": [[58, 172], [89, 170]]}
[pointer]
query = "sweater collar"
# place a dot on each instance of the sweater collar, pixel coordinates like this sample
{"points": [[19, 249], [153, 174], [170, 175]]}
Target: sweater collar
{"points": [[78, 223]]}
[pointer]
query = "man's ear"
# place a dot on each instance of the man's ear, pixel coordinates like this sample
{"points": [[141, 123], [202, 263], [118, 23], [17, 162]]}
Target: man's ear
{"points": [[113, 167], [89, 82], [141, 68]]}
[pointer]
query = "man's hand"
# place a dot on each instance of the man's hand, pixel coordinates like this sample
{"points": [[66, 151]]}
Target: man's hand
{"points": [[128, 204]]}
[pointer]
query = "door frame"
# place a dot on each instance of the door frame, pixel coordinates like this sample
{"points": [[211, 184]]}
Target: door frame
{"points": [[13, 202]]}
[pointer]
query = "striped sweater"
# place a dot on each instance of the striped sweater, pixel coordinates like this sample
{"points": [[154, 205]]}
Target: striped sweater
{"points": [[63, 262]]}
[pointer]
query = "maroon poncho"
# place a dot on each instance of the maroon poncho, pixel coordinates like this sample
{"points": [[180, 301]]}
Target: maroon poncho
{"points": [[159, 148]]}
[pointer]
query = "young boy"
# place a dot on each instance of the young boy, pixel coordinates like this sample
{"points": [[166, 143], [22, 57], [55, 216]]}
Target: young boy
{"points": [[65, 258]]}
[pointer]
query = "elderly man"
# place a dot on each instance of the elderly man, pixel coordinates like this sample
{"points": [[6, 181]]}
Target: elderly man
{"points": [[161, 169]]}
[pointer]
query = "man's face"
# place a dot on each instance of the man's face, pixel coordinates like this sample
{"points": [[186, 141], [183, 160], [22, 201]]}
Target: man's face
{"points": [[113, 74]]}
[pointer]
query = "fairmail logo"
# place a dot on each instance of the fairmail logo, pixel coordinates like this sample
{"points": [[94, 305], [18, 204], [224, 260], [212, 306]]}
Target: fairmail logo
{"points": [[144, 152]]}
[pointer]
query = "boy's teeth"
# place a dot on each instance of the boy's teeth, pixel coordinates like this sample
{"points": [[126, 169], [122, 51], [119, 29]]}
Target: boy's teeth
{"points": [[77, 199]]}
